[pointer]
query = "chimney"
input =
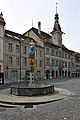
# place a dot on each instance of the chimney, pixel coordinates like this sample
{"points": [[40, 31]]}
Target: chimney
{"points": [[39, 27], [1, 15], [2, 21]]}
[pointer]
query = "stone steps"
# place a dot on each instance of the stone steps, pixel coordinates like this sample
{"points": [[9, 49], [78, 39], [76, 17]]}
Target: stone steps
{"points": [[8, 105]]}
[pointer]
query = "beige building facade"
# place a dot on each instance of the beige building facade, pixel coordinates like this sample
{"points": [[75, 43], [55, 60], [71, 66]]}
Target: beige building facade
{"points": [[16, 56]]}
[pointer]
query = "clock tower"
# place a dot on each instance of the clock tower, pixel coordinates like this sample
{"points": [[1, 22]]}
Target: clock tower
{"points": [[57, 33]]}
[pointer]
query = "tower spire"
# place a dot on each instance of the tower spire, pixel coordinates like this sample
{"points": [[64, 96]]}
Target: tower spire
{"points": [[56, 15], [48, 30], [56, 8], [32, 22]]}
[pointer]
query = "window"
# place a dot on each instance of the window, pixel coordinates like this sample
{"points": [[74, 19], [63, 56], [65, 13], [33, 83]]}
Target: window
{"points": [[40, 53], [62, 55], [53, 63], [10, 60], [59, 63], [47, 61], [47, 50], [66, 64], [72, 64], [40, 63], [63, 62], [57, 53], [24, 50], [17, 48], [69, 57], [52, 52], [24, 61], [6, 74], [65, 56], [69, 64], [56, 63], [10, 47], [17, 61]]}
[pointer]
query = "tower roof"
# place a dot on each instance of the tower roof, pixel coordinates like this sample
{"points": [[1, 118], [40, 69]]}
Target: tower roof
{"points": [[56, 23]]}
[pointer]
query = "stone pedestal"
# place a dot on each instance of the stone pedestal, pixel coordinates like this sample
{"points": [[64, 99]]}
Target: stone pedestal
{"points": [[33, 90]]}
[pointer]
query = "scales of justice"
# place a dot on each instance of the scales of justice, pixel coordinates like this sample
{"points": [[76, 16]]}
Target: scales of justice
{"points": [[31, 88]]}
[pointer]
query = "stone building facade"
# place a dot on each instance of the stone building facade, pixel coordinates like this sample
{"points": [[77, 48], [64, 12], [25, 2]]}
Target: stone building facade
{"points": [[52, 58], [59, 61], [14, 54]]}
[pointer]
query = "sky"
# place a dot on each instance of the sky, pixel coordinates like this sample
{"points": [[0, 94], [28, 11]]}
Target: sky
{"points": [[19, 14]]}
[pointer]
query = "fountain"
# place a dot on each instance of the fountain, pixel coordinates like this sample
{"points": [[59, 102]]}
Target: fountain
{"points": [[31, 88]]}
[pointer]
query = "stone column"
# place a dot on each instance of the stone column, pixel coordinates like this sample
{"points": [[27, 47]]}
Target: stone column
{"points": [[50, 75], [32, 62]]}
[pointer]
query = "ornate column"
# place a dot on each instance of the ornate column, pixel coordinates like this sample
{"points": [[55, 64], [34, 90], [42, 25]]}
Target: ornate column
{"points": [[32, 63]]}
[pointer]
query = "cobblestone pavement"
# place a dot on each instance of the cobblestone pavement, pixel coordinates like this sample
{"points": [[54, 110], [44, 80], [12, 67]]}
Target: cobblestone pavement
{"points": [[68, 109]]}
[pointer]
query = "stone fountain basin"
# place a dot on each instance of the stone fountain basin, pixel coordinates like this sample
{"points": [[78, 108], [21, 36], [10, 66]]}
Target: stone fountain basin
{"points": [[31, 90]]}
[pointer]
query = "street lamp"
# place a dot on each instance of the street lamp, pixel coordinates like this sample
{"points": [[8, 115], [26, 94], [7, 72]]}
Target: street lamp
{"points": [[44, 58], [20, 55], [20, 60]]}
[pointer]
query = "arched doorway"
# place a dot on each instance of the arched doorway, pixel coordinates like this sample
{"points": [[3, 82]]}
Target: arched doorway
{"points": [[14, 75], [68, 73], [56, 73], [52, 73], [76, 74], [47, 74], [65, 73], [62, 73]]}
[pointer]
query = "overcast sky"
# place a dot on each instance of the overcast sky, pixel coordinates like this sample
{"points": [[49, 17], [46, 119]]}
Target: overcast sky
{"points": [[19, 14]]}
